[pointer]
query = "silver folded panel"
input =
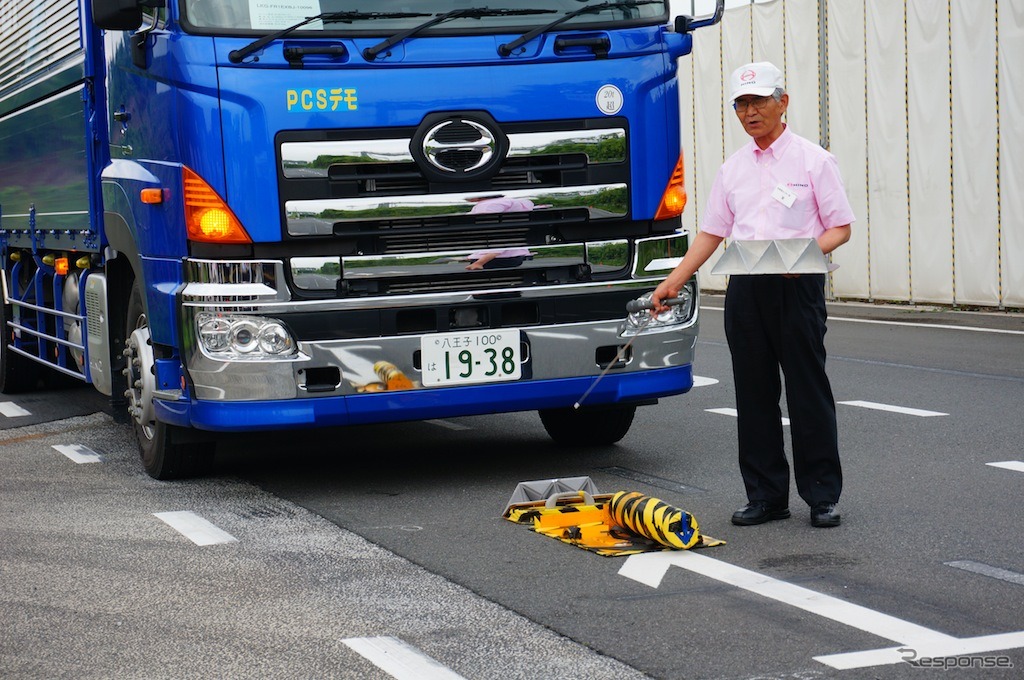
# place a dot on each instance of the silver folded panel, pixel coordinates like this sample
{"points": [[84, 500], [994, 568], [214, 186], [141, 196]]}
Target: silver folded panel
{"points": [[778, 256]]}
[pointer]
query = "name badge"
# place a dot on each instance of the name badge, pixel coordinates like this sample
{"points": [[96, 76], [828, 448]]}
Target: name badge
{"points": [[784, 196]]}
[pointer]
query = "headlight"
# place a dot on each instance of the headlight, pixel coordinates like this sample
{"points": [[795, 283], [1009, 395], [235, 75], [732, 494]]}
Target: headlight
{"points": [[235, 336], [679, 313]]}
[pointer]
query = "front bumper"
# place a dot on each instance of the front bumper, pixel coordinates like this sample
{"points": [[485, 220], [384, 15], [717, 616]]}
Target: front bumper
{"points": [[448, 402]]}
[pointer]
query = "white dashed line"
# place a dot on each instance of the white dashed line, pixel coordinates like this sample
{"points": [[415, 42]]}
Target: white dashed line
{"points": [[1009, 465], [921, 413], [195, 528], [78, 453], [732, 412], [400, 660], [882, 322], [986, 570], [12, 410]]}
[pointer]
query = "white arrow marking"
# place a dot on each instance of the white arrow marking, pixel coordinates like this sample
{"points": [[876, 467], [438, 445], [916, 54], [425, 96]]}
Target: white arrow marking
{"points": [[701, 381], [894, 655], [650, 569]]}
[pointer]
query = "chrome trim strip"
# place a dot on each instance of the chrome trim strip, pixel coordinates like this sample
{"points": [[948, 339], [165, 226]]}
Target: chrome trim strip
{"points": [[641, 279], [307, 217], [605, 145], [418, 264], [235, 281], [655, 254], [470, 295]]}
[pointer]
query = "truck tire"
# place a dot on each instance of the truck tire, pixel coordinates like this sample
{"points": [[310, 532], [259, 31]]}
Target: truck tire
{"points": [[17, 374], [588, 427], [166, 451]]}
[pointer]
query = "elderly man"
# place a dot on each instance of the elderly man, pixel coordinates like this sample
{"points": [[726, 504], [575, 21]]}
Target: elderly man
{"points": [[779, 186]]}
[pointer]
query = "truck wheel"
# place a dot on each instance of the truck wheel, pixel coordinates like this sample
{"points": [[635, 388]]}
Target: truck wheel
{"points": [[586, 427], [17, 374], [164, 453]]}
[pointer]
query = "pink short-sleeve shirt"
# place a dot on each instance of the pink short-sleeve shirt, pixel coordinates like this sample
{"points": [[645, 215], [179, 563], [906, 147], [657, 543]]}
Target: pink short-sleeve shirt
{"points": [[792, 189]]}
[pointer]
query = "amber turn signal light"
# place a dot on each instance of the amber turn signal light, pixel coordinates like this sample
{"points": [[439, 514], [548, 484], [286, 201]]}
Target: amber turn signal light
{"points": [[207, 217], [674, 199]]}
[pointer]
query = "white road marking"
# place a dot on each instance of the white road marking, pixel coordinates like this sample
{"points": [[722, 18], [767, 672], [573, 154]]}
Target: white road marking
{"points": [[78, 453], [448, 424], [894, 409], [195, 528], [650, 569], [732, 412], [912, 324], [1009, 465], [986, 570], [893, 655], [948, 327], [701, 381], [400, 660], [12, 410]]}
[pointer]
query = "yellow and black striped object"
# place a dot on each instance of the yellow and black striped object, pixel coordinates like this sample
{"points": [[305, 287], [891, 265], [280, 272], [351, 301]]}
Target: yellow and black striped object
{"points": [[654, 519]]}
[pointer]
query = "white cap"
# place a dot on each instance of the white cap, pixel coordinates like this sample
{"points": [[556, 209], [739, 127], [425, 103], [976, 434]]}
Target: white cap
{"points": [[761, 78]]}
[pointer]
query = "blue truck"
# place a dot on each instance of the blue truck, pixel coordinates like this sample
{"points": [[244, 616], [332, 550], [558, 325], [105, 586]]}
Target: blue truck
{"points": [[245, 215]]}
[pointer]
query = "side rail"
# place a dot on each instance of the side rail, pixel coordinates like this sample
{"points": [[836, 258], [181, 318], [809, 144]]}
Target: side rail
{"points": [[45, 295]]}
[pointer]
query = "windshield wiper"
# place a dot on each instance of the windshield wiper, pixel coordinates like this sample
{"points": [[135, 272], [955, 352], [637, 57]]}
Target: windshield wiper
{"points": [[507, 48], [236, 56], [370, 53]]}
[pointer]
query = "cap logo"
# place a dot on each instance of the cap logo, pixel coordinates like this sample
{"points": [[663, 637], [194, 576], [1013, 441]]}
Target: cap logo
{"points": [[747, 76]]}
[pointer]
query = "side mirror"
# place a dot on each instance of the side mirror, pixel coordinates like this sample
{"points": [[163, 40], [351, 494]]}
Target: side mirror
{"points": [[685, 24], [117, 15]]}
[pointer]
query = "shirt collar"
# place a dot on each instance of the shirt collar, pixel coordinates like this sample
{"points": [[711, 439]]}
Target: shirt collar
{"points": [[776, 148]]}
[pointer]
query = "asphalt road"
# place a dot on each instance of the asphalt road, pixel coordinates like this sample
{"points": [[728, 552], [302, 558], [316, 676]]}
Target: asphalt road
{"points": [[396, 531]]}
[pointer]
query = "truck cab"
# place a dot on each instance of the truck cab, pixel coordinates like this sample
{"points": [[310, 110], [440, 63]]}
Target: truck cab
{"points": [[312, 214]]}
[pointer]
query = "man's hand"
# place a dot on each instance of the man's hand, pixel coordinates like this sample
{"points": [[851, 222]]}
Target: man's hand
{"points": [[701, 248], [666, 290]]}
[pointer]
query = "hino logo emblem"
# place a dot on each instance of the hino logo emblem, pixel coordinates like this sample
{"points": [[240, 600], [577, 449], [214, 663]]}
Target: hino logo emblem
{"points": [[460, 146]]}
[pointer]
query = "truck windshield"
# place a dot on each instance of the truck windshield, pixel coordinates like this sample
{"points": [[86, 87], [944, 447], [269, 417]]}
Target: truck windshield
{"points": [[252, 17]]}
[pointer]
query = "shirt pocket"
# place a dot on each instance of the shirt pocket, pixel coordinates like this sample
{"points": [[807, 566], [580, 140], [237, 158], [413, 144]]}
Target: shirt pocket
{"points": [[804, 210]]}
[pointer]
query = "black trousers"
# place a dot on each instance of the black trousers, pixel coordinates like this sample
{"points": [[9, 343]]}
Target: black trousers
{"points": [[774, 322]]}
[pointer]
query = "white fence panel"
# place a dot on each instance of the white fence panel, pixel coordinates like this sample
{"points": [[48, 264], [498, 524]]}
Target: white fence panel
{"points": [[923, 114], [975, 219], [802, 73], [1011, 156], [931, 173], [887, 152], [848, 135]]}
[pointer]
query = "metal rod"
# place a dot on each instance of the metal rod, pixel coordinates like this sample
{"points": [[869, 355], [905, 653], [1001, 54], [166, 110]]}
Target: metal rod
{"points": [[632, 307], [613, 362]]}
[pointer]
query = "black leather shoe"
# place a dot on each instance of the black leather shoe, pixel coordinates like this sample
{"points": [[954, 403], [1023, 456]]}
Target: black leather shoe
{"points": [[825, 515], [759, 512]]}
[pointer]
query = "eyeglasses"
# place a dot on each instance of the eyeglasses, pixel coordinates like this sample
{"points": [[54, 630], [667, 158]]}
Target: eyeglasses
{"points": [[759, 103]]}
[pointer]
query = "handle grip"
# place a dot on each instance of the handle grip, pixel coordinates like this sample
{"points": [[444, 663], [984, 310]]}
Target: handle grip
{"points": [[634, 306]]}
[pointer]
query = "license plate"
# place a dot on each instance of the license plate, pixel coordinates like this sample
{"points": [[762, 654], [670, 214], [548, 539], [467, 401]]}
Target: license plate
{"points": [[470, 357]]}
